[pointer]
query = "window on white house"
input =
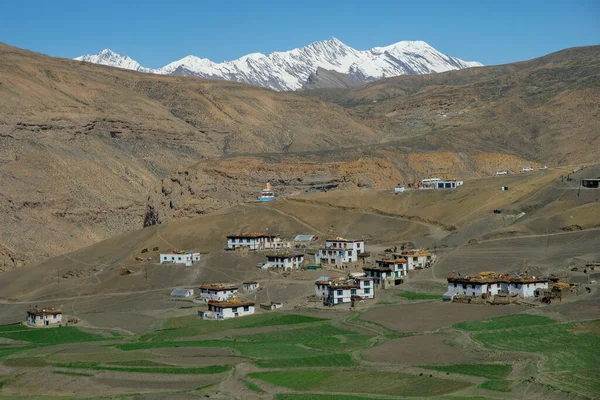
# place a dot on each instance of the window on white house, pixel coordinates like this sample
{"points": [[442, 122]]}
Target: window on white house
{"points": [[353, 291], [234, 309], [246, 308], [367, 291], [367, 283], [340, 292]]}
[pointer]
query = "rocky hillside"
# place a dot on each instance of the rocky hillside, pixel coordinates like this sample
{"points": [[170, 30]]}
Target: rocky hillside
{"points": [[546, 109], [83, 146], [88, 152]]}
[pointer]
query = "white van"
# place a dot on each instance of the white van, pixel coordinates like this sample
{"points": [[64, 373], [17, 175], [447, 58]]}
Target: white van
{"points": [[527, 169], [501, 173]]}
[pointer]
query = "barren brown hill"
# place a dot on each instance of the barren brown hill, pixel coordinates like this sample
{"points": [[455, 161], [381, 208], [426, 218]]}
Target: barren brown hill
{"points": [[85, 150], [82, 146], [546, 109]]}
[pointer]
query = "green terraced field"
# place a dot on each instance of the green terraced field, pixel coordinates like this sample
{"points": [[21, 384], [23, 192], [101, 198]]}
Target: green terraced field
{"points": [[328, 360], [496, 385], [361, 382], [253, 387], [189, 326], [507, 322], [48, 337], [419, 296], [212, 369], [571, 358]]}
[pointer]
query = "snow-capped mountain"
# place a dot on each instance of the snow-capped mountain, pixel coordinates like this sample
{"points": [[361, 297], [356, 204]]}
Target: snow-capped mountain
{"points": [[112, 59], [289, 70]]}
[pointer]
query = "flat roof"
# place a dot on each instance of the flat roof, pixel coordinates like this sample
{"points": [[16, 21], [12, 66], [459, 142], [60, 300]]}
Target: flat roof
{"points": [[417, 252], [303, 238], [218, 286], [251, 235], [492, 277], [341, 239], [380, 269], [392, 261], [231, 303], [285, 255], [44, 311]]}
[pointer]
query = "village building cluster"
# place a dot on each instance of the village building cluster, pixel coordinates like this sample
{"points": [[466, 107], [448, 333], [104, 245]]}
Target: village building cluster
{"points": [[487, 285]]}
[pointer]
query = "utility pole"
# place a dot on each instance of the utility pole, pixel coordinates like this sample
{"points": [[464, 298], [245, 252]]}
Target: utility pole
{"points": [[146, 272], [58, 274]]}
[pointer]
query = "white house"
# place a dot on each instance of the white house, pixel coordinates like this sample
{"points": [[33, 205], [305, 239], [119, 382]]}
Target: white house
{"points": [[378, 274], [284, 260], [227, 309], [321, 284], [436, 183], [250, 286], [492, 284], [256, 241], [340, 251], [44, 316], [217, 292], [345, 291], [180, 257], [398, 266], [416, 258]]}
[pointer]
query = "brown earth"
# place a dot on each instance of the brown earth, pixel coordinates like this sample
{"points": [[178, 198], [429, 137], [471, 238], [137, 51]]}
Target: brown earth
{"points": [[418, 350], [431, 316], [87, 150], [540, 109]]}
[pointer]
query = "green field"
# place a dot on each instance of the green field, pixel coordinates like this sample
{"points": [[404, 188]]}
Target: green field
{"points": [[212, 369], [138, 363], [49, 337], [367, 382], [507, 322], [319, 345], [496, 385], [285, 396], [571, 357], [418, 296], [253, 387], [190, 326], [490, 371], [328, 360]]}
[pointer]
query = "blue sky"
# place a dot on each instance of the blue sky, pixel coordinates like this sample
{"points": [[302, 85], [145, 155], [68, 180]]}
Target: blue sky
{"points": [[157, 32]]}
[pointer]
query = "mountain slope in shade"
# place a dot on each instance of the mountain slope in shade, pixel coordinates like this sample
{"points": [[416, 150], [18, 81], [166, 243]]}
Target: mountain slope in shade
{"points": [[327, 79], [290, 70]]}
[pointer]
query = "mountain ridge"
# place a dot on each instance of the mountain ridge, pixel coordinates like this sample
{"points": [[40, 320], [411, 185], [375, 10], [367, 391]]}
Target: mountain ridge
{"points": [[289, 70]]}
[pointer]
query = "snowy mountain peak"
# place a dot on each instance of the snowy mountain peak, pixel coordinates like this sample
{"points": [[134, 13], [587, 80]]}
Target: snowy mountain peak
{"points": [[110, 58], [289, 70]]}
